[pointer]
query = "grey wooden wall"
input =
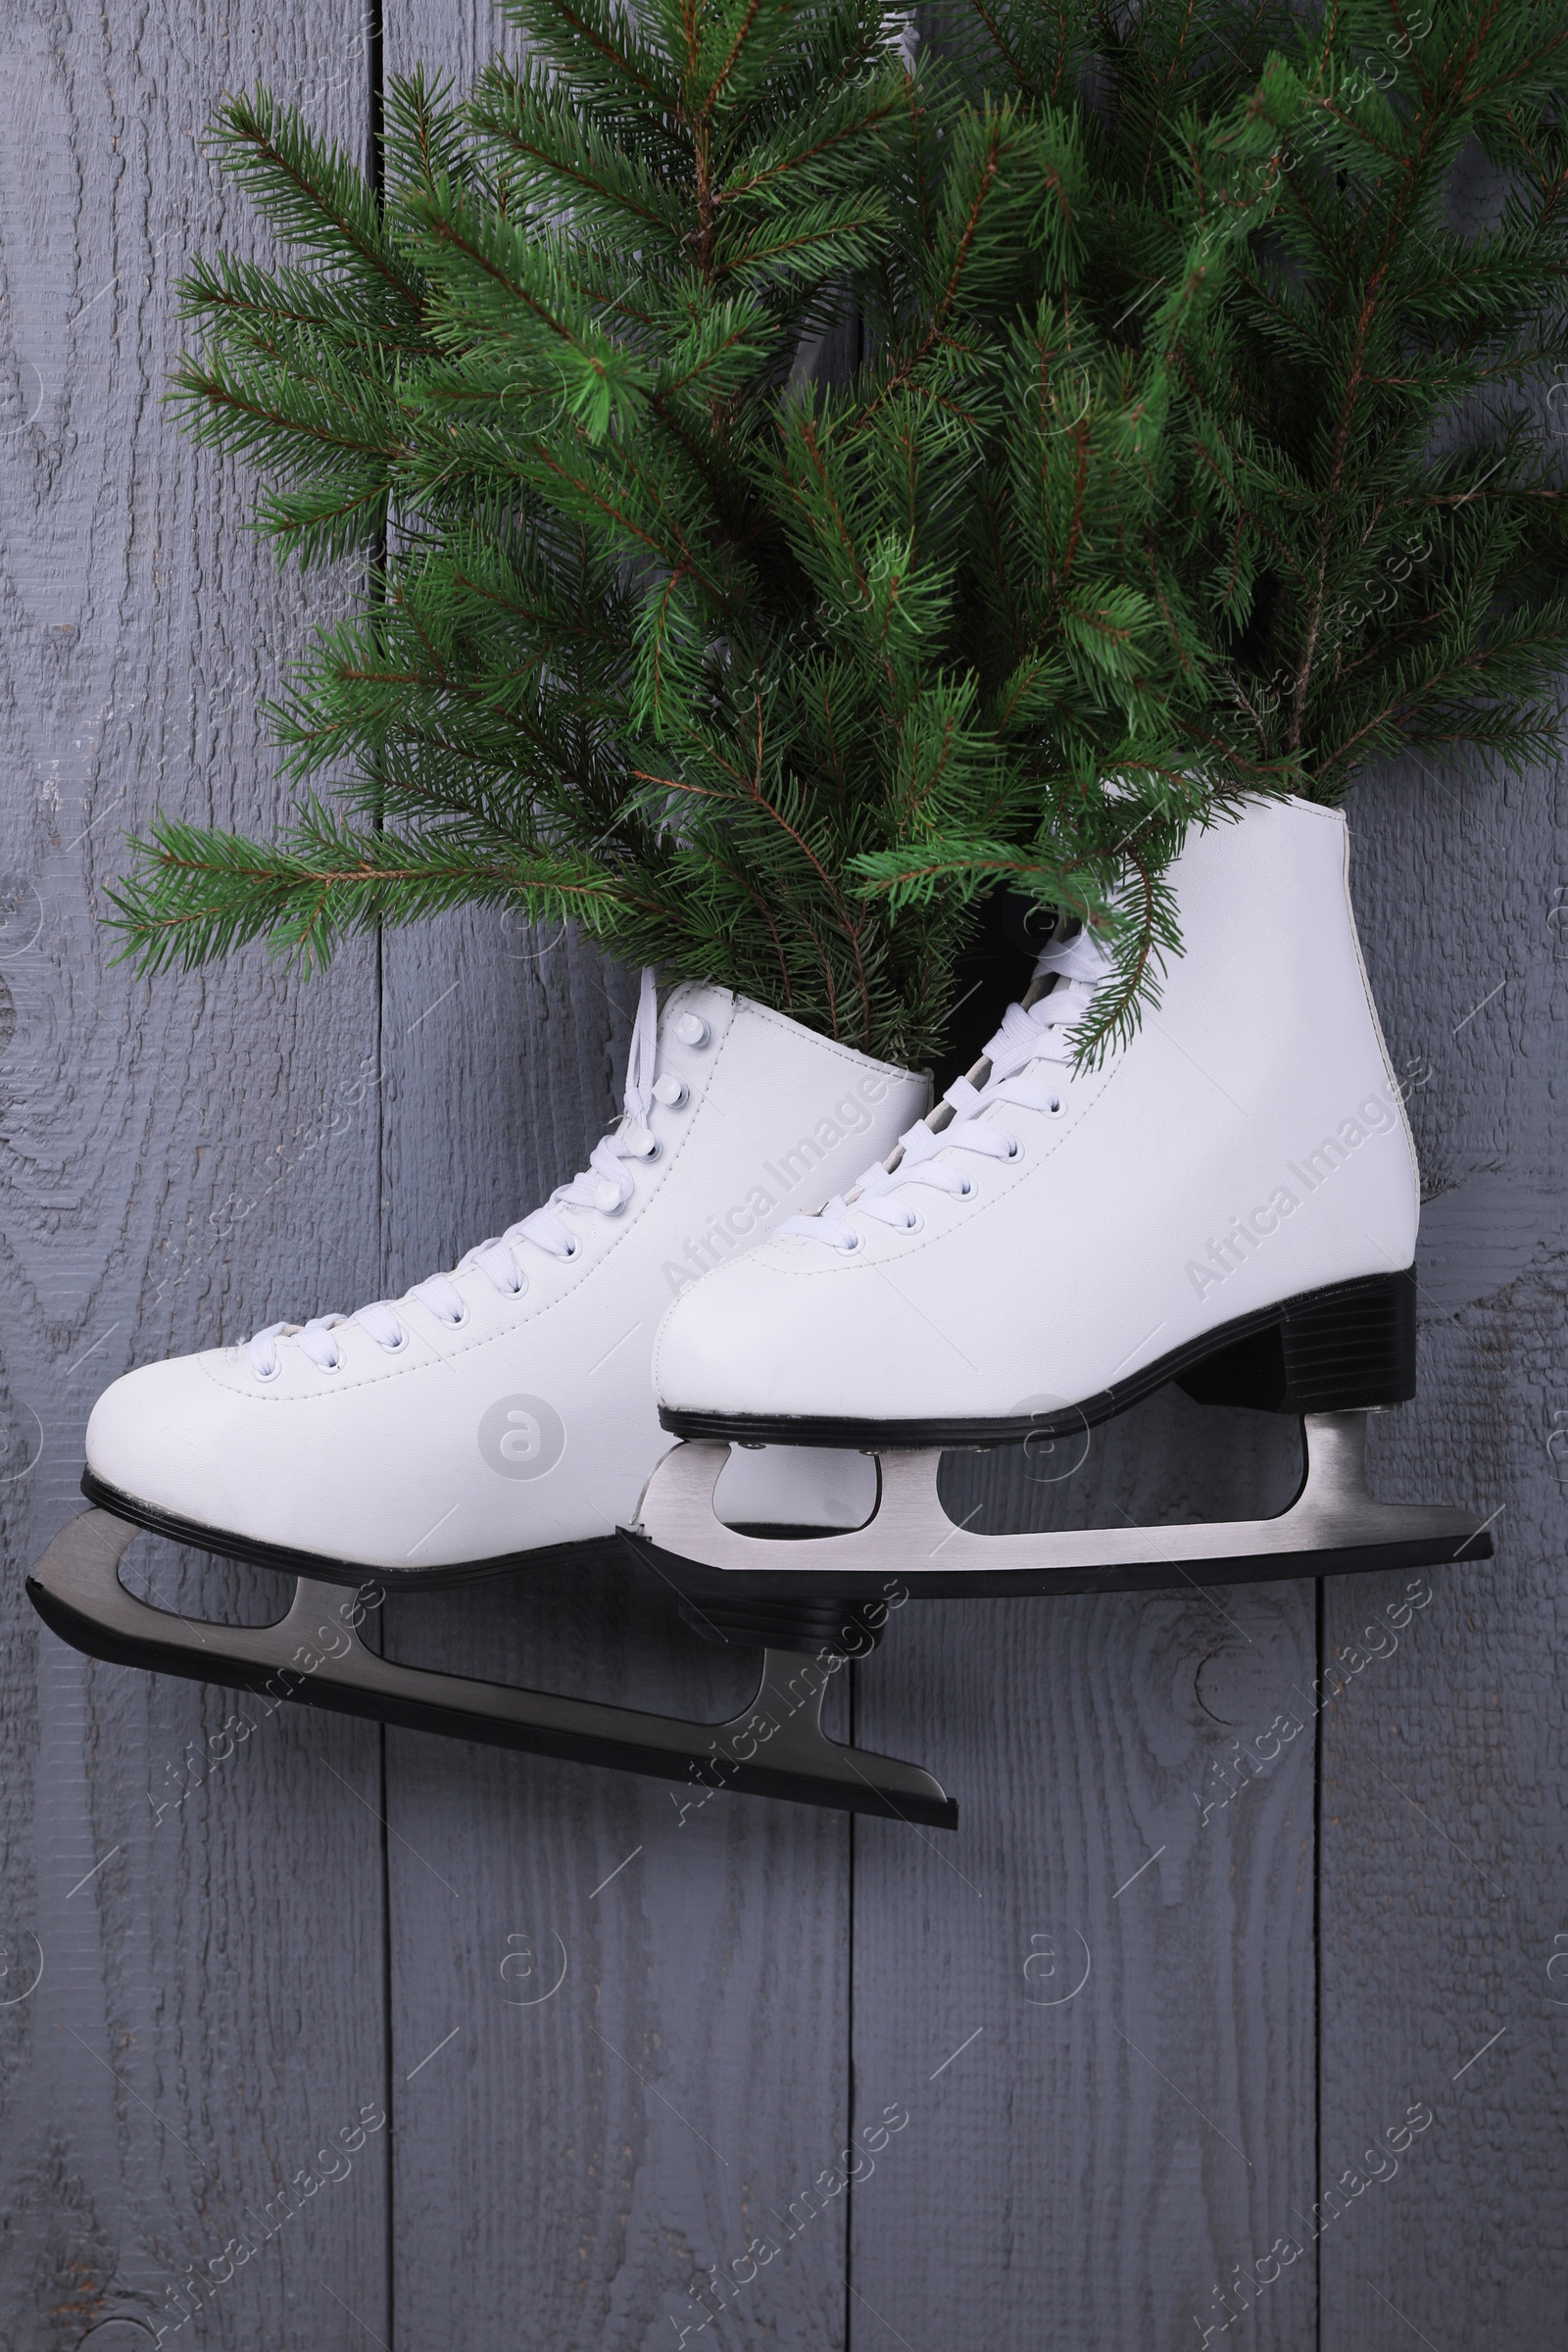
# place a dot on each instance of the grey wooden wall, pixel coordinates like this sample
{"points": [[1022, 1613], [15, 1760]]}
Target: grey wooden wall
{"points": [[1242, 1879]]}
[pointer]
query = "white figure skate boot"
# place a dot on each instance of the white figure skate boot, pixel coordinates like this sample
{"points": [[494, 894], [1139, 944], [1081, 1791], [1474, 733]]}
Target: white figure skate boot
{"points": [[502, 1416], [503, 1412], [1230, 1201]]}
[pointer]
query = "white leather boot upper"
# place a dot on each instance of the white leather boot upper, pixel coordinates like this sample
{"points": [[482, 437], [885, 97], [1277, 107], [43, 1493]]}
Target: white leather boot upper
{"points": [[1067, 1229], [507, 1408]]}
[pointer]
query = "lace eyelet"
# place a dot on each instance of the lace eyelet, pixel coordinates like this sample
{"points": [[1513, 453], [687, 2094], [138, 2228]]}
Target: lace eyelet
{"points": [[335, 1364], [1056, 1107], [264, 1377], [1014, 1147], [455, 1322], [395, 1347], [854, 1241], [913, 1222], [965, 1190], [567, 1255], [655, 1150]]}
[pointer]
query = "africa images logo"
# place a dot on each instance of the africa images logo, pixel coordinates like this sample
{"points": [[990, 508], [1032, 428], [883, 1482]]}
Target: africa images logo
{"points": [[725, 1232], [523, 1437], [1376, 1116]]}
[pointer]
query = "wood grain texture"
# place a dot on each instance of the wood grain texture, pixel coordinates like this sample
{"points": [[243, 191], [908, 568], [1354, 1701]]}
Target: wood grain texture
{"points": [[208, 1924], [1445, 1841]]}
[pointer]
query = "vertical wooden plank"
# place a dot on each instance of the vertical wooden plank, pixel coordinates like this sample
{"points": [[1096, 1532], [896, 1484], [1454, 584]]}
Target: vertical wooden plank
{"points": [[615, 2046], [191, 2000], [572, 2164], [1444, 1896], [1095, 2001]]}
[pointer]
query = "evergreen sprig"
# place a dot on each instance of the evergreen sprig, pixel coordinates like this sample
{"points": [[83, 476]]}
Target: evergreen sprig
{"points": [[806, 489]]}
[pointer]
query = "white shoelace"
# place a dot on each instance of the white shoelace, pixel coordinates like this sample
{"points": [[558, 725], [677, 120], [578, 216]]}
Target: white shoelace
{"points": [[1026, 1039], [604, 1184]]}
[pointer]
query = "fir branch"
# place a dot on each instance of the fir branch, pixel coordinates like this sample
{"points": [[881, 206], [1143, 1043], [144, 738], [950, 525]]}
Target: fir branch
{"points": [[1194, 452]]}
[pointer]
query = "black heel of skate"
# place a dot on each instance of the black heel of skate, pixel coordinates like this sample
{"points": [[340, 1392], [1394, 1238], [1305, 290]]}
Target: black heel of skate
{"points": [[1337, 1350]]}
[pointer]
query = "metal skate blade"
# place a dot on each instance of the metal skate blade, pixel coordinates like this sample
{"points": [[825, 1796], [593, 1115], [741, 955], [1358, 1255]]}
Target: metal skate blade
{"points": [[776, 1746], [1334, 1526]]}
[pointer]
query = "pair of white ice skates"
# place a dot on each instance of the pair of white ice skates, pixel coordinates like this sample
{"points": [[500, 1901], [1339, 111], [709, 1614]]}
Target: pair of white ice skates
{"points": [[1230, 1201]]}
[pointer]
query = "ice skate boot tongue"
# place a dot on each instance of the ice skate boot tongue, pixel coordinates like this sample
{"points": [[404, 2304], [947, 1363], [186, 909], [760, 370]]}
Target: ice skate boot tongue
{"points": [[604, 1186], [1028, 1063]]}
